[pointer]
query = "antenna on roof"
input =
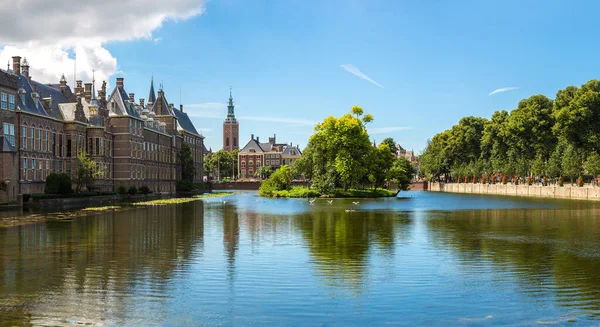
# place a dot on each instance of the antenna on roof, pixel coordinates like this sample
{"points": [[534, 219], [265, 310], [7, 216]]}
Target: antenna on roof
{"points": [[180, 103]]}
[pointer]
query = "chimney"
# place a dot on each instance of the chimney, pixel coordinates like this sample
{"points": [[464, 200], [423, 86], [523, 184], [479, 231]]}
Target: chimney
{"points": [[252, 136], [103, 88], [181, 107], [25, 68], [79, 88], [132, 97], [257, 140], [120, 82], [17, 65], [142, 102], [87, 93]]}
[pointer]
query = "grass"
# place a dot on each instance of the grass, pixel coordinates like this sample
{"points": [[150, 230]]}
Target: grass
{"points": [[161, 202], [101, 208], [305, 192]]}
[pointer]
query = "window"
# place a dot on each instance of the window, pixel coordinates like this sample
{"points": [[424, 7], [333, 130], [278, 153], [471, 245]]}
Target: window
{"points": [[69, 144], [251, 163], [48, 143], [53, 143], [269, 162], [31, 138], [90, 145], [11, 102], [24, 174], [24, 137], [4, 100], [227, 142], [38, 139], [97, 146], [23, 98], [33, 168], [234, 141], [9, 133], [60, 145]]}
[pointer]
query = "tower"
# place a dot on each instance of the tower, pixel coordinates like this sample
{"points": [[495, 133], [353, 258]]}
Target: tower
{"points": [[231, 128]]}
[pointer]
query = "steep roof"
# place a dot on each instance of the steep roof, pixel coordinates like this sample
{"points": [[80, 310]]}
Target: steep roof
{"points": [[287, 151], [252, 144], [30, 104], [184, 122], [152, 95], [123, 107], [58, 97]]}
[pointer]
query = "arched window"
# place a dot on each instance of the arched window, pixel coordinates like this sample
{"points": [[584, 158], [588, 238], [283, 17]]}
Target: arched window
{"points": [[234, 141], [227, 141]]}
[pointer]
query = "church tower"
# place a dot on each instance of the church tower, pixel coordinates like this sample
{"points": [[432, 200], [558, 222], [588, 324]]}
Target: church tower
{"points": [[231, 128]]}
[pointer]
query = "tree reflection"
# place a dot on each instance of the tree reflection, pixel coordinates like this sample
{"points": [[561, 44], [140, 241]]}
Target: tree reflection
{"points": [[540, 248], [342, 242]]}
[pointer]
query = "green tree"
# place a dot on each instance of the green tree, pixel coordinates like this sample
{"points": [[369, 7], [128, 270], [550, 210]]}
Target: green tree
{"points": [[391, 143], [210, 165], [494, 147], [592, 164], [264, 172], [188, 170], [381, 162], [58, 184], [280, 180], [338, 152], [87, 171], [402, 173], [571, 162], [538, 166]]}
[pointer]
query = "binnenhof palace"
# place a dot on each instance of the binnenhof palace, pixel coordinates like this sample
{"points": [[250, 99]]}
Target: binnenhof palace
{"points": [[44, 126]]}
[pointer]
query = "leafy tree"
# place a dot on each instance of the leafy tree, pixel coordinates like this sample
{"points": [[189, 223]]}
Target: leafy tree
{"points": [[87, 171], [402, 173], [538, 166], [188, 170], [494, 145], [571, 162], [280, 180], [592, 164], [391, 143], [381, 162], [264, 172]]}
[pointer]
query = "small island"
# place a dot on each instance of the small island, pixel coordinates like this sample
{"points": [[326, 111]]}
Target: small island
{"points": [[340, 161]]}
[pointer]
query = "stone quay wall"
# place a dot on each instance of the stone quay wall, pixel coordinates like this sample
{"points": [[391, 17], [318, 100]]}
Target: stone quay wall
{"points": [[536, 191]]}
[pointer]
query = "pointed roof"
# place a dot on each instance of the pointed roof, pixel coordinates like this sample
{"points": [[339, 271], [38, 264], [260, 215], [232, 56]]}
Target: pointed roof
{"points": [[152, 95], [230, 108]]}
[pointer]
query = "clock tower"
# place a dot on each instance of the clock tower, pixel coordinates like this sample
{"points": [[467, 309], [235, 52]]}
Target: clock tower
{"points": [[231, 128]]}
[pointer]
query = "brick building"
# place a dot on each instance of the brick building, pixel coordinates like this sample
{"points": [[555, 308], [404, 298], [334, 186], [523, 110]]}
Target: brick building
{"points": [[272, 154], [45, 126], [231, 128]]}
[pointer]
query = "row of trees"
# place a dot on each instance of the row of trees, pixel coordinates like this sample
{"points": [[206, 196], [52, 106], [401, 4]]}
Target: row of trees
{"points": [[541, 137], [340, 154], [221, 164]]}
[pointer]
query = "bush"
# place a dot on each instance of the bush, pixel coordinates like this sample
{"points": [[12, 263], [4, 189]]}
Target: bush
{"points": [[580, 181], [280, 180], [483, 179], [144, 189], [516, 180], [184, 186], [504, 180], [458, 179], [529, 180], [58, 184], [132, 190], [560, 181], [122, 190], [545, 182]]}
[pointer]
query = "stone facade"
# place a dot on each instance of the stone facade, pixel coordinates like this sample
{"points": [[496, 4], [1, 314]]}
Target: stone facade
{"points": [[45, 127]]}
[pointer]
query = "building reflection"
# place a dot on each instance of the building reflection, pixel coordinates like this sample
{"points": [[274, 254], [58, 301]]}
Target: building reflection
{"points": [[550, 253], [94, 260]]}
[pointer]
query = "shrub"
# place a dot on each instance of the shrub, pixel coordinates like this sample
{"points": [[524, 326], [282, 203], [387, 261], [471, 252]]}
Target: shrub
{"points": [[458, 180], [504, 181], [529, 180], [560, 181], [144, 189], [184, 186], [580, 181], [545, 182], [58, 184], [483, 179], [279, 180], [122, 190], [132, 190], [516, 180]]}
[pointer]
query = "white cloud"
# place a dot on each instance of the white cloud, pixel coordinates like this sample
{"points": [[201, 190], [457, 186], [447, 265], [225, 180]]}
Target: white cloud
{"points": [[504, 89], [49, 33], [355, 71], [386, 130]]}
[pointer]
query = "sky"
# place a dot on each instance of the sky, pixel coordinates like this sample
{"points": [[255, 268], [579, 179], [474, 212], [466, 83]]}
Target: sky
{"points": [[417, 66]]}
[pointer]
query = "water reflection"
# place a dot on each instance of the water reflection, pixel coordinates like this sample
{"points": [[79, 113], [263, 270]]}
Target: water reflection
{"points": [[68, 271], [550, 253], [340, 242]]}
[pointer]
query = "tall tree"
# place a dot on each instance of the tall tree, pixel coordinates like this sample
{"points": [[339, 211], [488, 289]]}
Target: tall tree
{"points": [[391, 143], [402, 173], [188, 170], [87, 171], [381, 162]]}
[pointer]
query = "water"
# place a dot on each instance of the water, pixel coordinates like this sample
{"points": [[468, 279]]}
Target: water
{"points": [[429, 259]]}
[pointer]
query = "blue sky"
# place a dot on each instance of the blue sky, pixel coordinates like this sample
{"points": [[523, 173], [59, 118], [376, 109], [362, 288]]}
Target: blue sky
{"points": [[436, 61]]}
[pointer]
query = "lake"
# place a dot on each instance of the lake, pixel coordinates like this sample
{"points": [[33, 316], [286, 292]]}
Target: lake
{"points": [[430, 259]]}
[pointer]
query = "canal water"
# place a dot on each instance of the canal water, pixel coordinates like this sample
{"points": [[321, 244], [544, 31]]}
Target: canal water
{"points": [[430, 259]]}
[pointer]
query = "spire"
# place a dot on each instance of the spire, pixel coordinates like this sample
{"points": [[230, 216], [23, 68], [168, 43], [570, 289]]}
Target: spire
{"points": [[230, 107], [152, 95], [94, 101]]}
